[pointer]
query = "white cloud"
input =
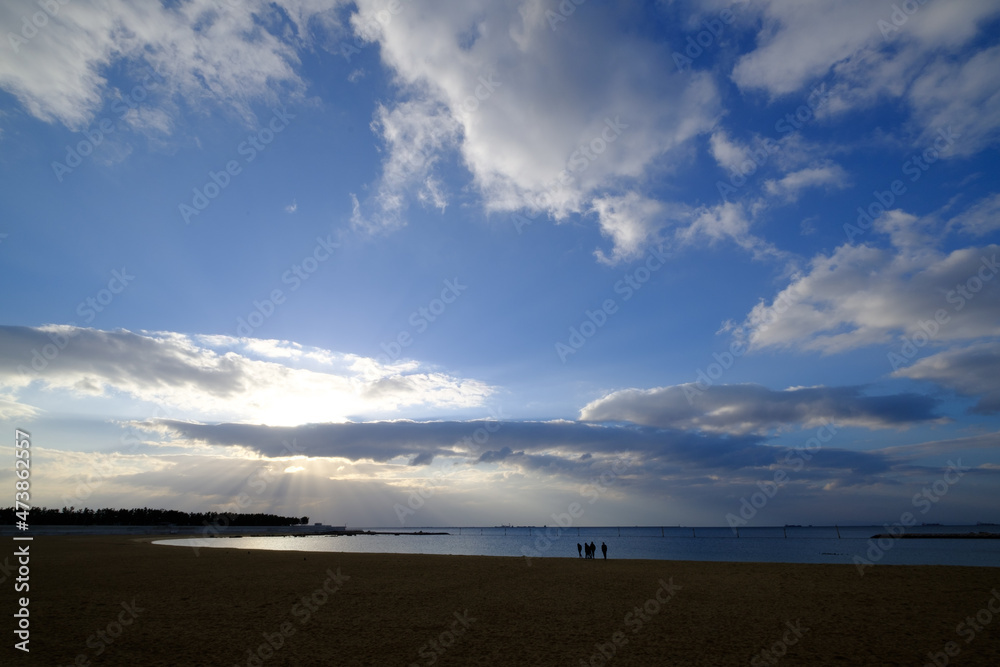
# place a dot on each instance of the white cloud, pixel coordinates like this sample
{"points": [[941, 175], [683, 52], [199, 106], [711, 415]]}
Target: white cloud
{"points": [[861, 295], [416, 134], [789, 186], [971, 371], [907, 232], [729, 154], [979, 219], [632, 222], [219, 378], [233, 54], [725, 221], [920, 60], [798, 41], [13, 410], [555, 121], [961, 97]]}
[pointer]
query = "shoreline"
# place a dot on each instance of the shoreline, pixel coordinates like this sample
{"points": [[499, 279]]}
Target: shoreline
{"points": [[844, 551], [230, 606]]}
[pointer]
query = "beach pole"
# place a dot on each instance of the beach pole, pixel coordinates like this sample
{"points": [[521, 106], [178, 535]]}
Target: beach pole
{"points": [[838, 531]]}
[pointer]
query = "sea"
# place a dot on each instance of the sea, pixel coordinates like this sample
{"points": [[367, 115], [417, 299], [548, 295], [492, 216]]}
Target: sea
{"points": [[854, 545]]}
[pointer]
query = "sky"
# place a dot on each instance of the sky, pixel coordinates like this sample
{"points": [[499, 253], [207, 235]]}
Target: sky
{"points": [[383, 264]]}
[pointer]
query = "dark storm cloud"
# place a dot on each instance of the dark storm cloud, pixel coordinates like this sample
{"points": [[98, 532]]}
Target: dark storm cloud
{"points": [[548, 446], [753, 408]]}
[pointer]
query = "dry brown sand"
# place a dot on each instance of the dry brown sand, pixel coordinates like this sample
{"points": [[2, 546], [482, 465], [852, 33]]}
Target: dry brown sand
{"points": [[216, 608]]}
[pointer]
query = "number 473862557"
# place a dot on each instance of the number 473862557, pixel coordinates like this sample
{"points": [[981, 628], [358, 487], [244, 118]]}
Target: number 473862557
{"points": [[22, 468]]}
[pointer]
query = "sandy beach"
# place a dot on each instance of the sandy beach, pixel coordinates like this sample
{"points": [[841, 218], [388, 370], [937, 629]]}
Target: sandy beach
{"points": [[124, 601]]}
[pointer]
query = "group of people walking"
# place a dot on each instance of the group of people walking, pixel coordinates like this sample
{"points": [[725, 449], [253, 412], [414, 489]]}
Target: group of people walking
{"points": [[591, 550]]}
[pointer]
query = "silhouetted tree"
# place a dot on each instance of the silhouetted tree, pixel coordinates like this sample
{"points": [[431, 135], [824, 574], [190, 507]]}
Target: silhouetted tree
{"points": [[143, 516]]}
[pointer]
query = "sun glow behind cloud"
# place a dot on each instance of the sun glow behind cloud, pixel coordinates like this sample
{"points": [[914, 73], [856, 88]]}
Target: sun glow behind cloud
{"points": [[223, 378]]}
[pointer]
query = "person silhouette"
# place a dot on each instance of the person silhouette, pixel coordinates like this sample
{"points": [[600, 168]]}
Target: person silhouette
{"points": [[593, 550], [579, 549], [604, 548]]}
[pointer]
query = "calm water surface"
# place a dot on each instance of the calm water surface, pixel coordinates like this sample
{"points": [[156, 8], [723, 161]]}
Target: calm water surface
{"points": [[775, 545]]}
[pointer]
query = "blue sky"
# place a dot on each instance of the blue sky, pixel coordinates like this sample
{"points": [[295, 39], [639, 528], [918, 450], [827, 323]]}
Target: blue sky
{"points": [[415, 267]]}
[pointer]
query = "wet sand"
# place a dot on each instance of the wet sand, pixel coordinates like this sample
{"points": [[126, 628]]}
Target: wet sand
{"points": [[124, 601]]}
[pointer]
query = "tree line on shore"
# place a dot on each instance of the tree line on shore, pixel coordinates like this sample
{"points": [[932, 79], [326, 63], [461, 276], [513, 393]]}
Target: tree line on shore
{"points": [[143, 516]]}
